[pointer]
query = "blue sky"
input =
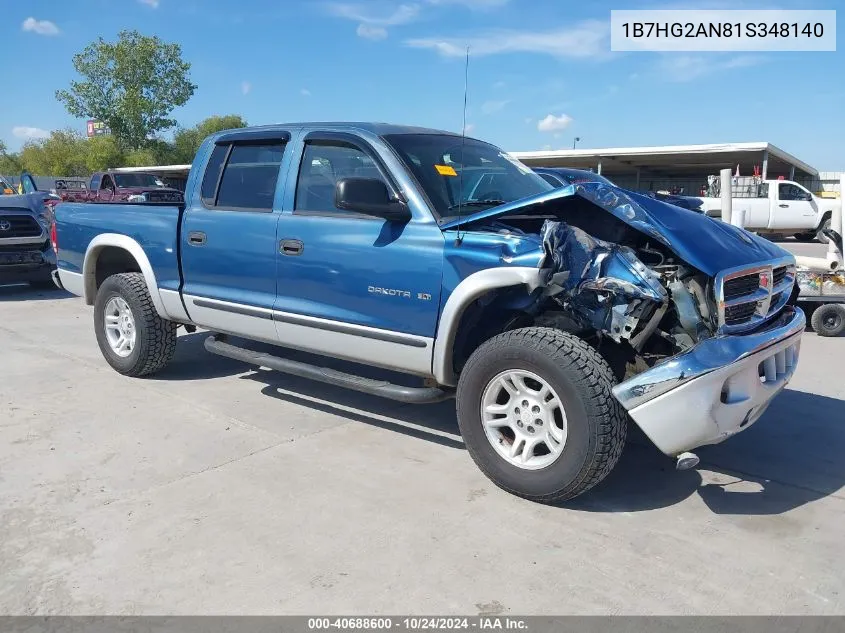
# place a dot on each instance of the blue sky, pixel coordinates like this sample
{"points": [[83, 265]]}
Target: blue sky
{"points": [[541, 71]]}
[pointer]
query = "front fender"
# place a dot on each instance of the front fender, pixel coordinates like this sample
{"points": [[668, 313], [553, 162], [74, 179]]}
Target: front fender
{"points": [[465, 293]]}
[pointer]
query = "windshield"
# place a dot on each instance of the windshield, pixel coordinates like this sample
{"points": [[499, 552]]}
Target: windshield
{"points": [[476, 177], [138, 180]]}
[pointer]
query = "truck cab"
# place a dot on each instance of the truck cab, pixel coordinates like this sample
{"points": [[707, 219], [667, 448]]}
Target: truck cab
{"points": [[130, 186]]}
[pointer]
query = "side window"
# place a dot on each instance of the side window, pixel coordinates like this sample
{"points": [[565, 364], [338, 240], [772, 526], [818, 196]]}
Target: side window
{"points": [[212, 173], [323, 164], [787, 191], [249, 177], [95, 182], [106, 183]]}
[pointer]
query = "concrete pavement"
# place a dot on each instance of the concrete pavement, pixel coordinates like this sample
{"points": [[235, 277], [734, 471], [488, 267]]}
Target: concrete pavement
{"points": [[216, 488]]}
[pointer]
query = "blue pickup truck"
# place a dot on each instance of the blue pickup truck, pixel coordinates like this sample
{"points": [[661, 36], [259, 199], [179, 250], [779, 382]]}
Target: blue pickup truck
{"points": [[553, 316]]}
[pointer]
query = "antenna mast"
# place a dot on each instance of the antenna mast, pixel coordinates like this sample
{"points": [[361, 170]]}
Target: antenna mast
{"points": [[463, 139]]}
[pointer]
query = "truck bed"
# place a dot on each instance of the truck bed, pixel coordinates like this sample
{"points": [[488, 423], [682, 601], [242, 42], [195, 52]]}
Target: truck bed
{"points": [[154, 226]]}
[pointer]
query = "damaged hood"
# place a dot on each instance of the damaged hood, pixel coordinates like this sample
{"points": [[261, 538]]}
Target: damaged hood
{"points": [[707, 244]]}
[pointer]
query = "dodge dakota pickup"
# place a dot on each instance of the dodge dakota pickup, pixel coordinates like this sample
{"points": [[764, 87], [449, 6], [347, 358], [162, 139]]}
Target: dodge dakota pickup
{"points": [[552, 315]]}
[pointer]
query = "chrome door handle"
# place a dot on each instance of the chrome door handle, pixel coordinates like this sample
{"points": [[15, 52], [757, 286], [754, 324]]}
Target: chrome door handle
{"points": [[291, 247]]}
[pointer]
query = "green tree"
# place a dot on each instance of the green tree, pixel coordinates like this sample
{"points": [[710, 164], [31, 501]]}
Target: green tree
{"points": [[63, 153], [187, 141], [132, 85], [103, 152], [10, 163]]}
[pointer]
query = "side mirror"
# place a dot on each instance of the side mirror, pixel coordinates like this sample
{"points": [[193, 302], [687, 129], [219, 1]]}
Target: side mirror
{"points": [[370, 196]]}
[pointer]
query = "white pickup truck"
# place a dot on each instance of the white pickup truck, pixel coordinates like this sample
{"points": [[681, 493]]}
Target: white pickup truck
{"points": [[779, 206]]}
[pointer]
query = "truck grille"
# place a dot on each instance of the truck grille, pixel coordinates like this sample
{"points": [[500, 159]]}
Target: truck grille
{"points": [[740, 313], [18, 226], [739, 286], [749, 296]]}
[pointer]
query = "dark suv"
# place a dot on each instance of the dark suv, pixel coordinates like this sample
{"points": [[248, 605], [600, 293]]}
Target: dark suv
{"points": [[26, 254]]}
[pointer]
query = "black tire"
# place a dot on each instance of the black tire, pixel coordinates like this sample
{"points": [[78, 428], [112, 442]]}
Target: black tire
{"points": [[155, 340], [805, 237], [829, 319], [826, 223], [596, 421]]}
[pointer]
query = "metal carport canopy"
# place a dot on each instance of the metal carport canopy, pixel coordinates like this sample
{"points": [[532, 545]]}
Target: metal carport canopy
{"points": [[670, 160]]}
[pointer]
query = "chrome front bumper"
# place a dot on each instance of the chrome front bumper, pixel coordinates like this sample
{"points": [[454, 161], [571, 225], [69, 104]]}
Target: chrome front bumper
{"points": [[716, 389]]}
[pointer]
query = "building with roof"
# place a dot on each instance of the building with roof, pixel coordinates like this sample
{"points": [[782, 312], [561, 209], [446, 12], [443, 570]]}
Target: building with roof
{"points": [[677, 166]]}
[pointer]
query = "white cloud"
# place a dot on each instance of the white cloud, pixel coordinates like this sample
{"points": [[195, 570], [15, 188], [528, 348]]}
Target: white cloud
{"points": [[554, 123], [403, 14], [469, 128], [372, 18], [472, 4], [150, 3], [246, 87], [26, 132], [370, 32], [305, 92], [586, 39], [41, 27], [682, 68], [491, 107]]}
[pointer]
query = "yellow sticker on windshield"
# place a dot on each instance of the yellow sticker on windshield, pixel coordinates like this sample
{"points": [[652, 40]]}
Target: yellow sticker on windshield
{"points": [[446, 170]]}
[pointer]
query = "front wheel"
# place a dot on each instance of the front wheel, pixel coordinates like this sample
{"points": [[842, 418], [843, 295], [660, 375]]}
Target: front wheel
{"points": [[132, 336], [825, 226], [537, 414]]}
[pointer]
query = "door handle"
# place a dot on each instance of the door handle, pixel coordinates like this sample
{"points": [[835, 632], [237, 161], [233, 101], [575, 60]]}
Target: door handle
{"points": [[783, 206], [291, 247], [196, 238]]}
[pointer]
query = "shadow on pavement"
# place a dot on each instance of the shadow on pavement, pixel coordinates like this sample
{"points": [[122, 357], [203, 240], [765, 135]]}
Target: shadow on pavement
{"points": [[790, 457], [25, 292], [192, 362]]}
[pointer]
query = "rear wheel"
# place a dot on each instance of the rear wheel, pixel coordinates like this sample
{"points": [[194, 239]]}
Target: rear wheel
{"points": [[537, 414], [829, 319], [133, 338]]}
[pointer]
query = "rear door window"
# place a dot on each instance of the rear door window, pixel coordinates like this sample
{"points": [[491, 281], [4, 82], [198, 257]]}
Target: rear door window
{"points": [[248, 181]]}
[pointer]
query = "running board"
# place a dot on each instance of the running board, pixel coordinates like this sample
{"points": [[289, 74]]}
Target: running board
{"points": [[216, 344]]}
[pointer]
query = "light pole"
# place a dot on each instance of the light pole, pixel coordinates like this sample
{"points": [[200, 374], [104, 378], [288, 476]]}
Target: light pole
{"points": [[575, 140]]}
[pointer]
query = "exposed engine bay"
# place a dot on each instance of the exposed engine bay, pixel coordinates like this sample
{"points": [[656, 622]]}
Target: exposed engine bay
{"points": [[626, 293], [608, 281]]}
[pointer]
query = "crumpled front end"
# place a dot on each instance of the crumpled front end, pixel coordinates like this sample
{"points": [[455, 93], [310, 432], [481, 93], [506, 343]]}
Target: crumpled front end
{"points": [[602, 285], [686, 377]]}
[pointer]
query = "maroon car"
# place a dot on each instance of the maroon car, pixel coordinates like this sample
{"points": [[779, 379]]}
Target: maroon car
{"points": [[112, 186]]}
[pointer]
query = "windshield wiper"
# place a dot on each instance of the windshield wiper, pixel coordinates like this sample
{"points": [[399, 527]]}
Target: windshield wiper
{"points": [[477, 203]]}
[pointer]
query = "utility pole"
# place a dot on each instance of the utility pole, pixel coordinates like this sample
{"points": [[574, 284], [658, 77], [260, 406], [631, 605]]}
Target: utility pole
{"points": [[575, 140]]}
